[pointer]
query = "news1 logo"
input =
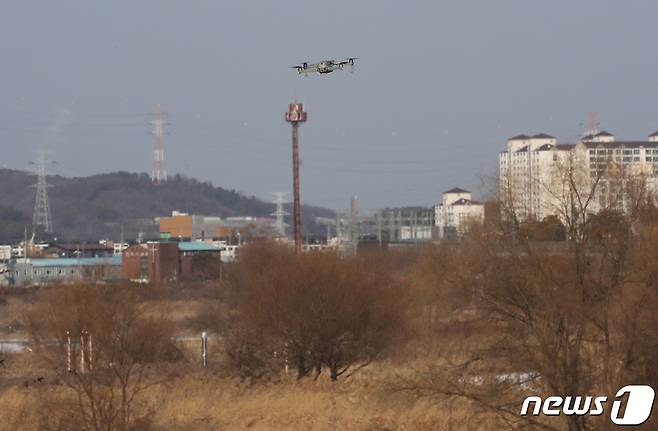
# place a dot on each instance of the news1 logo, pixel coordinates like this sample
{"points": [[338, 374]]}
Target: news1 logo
{"points": [[637, 409]]}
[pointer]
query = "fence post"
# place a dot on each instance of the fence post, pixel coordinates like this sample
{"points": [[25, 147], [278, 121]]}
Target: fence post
{"points": [[82, 352], [91, 353], [69, 366], [204, 349]]}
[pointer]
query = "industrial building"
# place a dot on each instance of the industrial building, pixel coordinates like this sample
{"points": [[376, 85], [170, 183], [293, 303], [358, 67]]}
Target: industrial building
{"points": [[24, 272], [197, 227], [5, 253], [79, 250], [169, 262], [414, 224]]}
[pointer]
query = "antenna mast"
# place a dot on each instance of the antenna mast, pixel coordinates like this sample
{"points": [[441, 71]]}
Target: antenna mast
{"points": [[294, 116]]}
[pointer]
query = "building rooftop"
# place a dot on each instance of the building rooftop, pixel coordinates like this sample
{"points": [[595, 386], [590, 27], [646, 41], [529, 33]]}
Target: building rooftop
{"points": [[603, 133], [83, 247], [543, 136], [464, 201], [519, 138], [654, 134], [197, 246], [620, 144], [565, 146], [456, 190], [87, 261]]}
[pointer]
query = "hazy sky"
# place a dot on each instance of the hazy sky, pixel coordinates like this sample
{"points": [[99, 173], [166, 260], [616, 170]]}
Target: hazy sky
{"points": [[438, 87]]}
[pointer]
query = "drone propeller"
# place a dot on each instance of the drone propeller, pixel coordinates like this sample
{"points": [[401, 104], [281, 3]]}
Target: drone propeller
{"points": [[300, 69]]}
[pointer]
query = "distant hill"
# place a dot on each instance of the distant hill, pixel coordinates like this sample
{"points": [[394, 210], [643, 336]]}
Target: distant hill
{"points": [[91, 208]]}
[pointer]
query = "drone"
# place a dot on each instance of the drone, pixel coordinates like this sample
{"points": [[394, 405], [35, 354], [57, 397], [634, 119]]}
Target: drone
{"points": [[325, 66]]}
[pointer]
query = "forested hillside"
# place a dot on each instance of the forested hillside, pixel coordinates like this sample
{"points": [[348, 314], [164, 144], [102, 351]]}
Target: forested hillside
{"points": [[90, 208]]}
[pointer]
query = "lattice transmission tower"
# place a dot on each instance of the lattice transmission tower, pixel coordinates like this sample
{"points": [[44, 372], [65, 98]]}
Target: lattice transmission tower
{"points": [[280, 214], [42, 216], [159, 173]]}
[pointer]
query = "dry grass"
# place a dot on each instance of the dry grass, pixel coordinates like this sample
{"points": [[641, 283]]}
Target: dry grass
{"points": [[203, 400]]}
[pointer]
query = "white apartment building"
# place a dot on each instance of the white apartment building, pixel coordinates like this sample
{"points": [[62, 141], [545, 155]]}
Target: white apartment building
{"points": [[456, 211], [532, 170], [527, 168]]}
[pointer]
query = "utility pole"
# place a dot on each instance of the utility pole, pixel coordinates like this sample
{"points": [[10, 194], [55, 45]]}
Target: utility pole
{"points": [[159, 173], [42, 216], [294, 116]]}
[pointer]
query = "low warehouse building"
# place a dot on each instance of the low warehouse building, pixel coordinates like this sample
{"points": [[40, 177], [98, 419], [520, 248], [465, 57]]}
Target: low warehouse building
{"points": [[25, 272]]}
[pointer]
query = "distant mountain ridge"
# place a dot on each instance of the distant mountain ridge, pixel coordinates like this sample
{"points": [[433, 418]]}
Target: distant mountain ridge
{"points": [[95, 207]]}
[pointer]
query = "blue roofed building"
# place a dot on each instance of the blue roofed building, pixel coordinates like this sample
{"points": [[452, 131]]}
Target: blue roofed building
{"points": [[23, 272]]}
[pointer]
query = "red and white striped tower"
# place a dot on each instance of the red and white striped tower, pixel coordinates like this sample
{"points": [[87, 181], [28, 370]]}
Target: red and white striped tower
{"points": [[592, 123], [294, 116], [159, 173]]}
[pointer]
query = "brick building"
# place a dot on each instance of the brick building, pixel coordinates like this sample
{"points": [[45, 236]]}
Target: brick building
{"points": [[167, 262]]}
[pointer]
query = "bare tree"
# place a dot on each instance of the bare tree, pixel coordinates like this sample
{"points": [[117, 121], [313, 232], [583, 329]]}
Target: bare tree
{"points": [[316, 310], [96, 342], [568, 318]]}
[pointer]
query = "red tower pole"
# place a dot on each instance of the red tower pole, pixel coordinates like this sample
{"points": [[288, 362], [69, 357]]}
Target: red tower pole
{"points": [[296, 115], [295, 185]]}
